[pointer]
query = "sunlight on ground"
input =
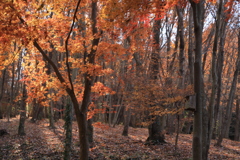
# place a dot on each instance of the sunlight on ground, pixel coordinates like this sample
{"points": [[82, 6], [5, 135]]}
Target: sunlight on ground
{"points": [[51, 136]]}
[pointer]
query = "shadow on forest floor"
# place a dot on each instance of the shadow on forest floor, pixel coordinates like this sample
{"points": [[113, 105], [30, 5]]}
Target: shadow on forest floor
{"points": [[43, 143]]}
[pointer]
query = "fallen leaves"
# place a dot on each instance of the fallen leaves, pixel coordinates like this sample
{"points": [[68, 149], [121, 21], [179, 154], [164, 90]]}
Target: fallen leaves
{"points": [[41, 142]]}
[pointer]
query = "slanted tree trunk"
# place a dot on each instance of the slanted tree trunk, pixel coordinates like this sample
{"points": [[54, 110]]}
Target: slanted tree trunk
{"points": [[198, 16], [21, 130]]}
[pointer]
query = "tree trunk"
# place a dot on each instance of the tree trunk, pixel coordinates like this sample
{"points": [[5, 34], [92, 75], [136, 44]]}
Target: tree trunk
{"points": [[51, 115], [190, 47], [21, 130], [236, 136], [181, 46], [220, 61], [37, 111], [90, 132], [2, 92], [210, 113], [227, 116], [198, 16], [68, 130], [181, 62], [11, 94], [127, 117], [155, 130], [50, 110]]}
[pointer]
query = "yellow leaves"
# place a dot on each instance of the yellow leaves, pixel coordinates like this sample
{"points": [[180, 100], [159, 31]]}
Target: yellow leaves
{"points": [[101, 89], [212, 1]]}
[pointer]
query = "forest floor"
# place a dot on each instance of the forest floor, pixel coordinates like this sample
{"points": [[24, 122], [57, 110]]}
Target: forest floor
{"points": [[43, 143]]}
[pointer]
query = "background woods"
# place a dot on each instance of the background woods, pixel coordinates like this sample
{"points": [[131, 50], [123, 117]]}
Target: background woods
{"points": [[171, 67]]}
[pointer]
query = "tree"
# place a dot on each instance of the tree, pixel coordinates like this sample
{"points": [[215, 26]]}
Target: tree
{"points": [[21, 130], [198, 13]]}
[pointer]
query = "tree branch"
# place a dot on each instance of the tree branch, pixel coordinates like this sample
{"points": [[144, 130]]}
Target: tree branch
{"points": [[66, 45], [59, 75]]}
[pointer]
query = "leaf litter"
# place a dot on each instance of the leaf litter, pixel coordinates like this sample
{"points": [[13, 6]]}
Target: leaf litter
{"points": [[44, 143]]}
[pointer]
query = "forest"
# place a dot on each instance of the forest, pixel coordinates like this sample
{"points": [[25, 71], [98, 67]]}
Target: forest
{"points": [[120, 79]]}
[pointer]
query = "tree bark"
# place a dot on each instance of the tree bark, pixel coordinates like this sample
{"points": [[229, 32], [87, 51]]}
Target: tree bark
{"points": [[68, 130], [236, 136], [11, 94], [190, 47], [2, 91], [214, 83], [155, 130], [21, 130], [227, 116], [220, 61], [198, 16], [127, 117]]}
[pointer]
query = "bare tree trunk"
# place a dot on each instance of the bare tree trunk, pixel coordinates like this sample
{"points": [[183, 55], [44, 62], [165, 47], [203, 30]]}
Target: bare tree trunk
{"points": [[181, 62], [127, 116], [198, 16], [227, 116], [219, 82], [190, 47], [2, 91], [68, 130], [51, 115], [214, 84], [11, 94], [181, 46], [21, 130], [119, 109], [236, 136]]}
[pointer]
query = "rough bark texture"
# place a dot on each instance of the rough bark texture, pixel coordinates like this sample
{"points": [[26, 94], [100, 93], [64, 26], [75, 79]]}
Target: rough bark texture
{"points": [[198, 13]]}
